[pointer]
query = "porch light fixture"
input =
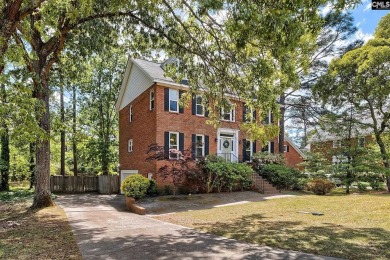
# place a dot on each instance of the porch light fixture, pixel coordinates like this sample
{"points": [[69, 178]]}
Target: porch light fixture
{"points": [[216, 139]]}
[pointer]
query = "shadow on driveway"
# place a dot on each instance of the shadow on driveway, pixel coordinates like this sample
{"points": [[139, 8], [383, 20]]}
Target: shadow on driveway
{"points": [[104, 230]]}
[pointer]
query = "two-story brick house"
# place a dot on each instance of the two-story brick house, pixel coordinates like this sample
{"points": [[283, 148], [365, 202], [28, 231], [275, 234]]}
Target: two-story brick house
{"points": [[149, 112]]}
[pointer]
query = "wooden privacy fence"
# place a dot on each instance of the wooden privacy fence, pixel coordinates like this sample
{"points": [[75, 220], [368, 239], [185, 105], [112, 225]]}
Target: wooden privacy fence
{"points": [[104, 184]]}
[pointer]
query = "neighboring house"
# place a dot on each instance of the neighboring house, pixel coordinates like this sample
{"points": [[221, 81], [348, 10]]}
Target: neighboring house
{"points": [[149, 112], [332, 147]]}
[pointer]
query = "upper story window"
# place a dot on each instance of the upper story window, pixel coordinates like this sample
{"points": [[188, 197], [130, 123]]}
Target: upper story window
{"points": [[286, 148], [228, 116], [130, 145], [199, 106], [361, 141], [249, 114], [199, 146], [151, 99], [131, 114], [173, 145], [173, 100]]}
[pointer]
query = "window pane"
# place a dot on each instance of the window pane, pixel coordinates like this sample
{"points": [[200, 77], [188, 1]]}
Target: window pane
{"points": [[173, 94], [173, 139], [173, 105], [199, 109]]}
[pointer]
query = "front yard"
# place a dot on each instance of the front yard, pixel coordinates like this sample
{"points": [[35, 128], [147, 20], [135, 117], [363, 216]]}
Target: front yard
{"points": [[26, 234], [353, 227]]}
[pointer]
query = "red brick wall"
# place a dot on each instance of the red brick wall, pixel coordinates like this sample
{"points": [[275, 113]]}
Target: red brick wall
{"points": [[142, 130], [293, 158]]}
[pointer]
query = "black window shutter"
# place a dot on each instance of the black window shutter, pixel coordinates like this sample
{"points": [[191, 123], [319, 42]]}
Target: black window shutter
{"points": [[166, 99], [166, 145], [288, 148], [181, 108], [272, 147], [193, 140], [254, 147], [254, 115], [243, 149], [193, 107], [206, 145], [272, 118], [206, 112], [243, 113], [181, 142]]}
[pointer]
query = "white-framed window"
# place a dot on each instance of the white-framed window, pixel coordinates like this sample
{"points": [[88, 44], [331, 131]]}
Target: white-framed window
{"points": [[151, 99], [248, 114], [199, 106], [228, 116], [131, 113], [130, 145], [173, 100], [248, 150], [337, 144], [199, 146], [361, 141], [285, 148], [173, 145], [150, 175], [338, 159]]}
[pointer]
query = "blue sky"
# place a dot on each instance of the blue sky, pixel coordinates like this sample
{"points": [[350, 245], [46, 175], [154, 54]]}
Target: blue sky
{"points": [[366, 20]]}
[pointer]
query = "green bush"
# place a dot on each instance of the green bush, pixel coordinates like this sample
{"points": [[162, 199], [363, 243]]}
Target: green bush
{"points": [[135, 186], [362, 186], [320, 186], [283, 177], [221, 175]]}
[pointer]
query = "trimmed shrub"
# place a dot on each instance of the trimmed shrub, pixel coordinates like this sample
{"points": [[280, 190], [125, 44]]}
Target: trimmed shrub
{"points": [[222, 175], [283, 177], [320, 186], [135, 186]]}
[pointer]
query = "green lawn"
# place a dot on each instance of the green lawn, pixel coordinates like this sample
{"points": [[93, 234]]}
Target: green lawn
{"points": [[353, 227]]}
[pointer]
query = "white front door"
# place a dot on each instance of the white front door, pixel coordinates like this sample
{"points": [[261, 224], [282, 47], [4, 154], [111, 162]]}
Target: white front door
{"points": [[227, 146]]}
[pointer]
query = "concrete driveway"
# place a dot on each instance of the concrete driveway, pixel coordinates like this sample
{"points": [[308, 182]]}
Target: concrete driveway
{"points": [[105, 230]]}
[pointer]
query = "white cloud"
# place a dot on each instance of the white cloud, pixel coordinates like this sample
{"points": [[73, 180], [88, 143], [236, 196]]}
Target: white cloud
{"points": [[367, 8], [324, 11], [360, 35]]}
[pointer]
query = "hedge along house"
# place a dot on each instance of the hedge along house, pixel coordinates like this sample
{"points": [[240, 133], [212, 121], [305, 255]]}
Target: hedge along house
{"points": [[149, 112]]}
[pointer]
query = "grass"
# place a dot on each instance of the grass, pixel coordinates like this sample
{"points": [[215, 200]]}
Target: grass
{"points": [[27, 234], [354, 227]]}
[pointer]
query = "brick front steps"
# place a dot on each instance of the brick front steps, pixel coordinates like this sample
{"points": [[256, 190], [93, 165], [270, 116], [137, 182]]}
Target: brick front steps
{"points": [[263, 186]]}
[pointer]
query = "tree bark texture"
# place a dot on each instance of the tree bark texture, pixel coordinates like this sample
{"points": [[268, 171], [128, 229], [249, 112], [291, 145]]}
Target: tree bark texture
{"points": [[74, 131], [62, 163], [42, 196], [4, 152], [32, 165], [282, 103]]}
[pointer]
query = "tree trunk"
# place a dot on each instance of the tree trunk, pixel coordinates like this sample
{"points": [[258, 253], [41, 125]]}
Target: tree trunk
{"points": [[74, 131], [32, 165], [4, 152], [385, 157], [9, 17], [42, 196], [62, 112], [282, 103]]}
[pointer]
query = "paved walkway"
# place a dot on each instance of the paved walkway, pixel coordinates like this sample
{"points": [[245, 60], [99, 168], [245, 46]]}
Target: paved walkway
{"points": [[105, 230]]}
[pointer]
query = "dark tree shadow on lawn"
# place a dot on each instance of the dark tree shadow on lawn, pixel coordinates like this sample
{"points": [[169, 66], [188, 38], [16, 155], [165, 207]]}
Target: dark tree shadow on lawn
{"points": [[329, 239]]}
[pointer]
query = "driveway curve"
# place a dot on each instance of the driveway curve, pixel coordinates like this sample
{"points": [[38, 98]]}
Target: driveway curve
{"points": [[105, 230]]}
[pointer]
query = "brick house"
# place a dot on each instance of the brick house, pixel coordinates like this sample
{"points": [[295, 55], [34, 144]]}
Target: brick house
{"points": [[332, 146], [149, 112]]}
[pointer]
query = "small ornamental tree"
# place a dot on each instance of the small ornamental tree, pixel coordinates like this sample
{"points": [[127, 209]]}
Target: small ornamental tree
{"points": [[178, 163]]}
